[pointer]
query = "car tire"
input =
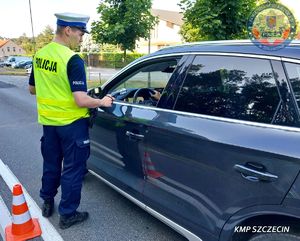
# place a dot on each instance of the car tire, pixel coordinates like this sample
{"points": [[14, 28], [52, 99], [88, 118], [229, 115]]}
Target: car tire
{"points": [[275, 237]]}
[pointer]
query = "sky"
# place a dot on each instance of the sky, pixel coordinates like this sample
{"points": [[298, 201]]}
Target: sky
{"points": [[15, 14]]}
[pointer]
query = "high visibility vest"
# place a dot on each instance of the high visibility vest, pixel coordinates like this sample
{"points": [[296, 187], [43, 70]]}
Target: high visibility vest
{"points": [[55, 102]]}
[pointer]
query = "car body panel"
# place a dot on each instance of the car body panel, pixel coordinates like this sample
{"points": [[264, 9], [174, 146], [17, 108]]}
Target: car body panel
{"points": [[196, 157], [107, 155], [204, 173]]}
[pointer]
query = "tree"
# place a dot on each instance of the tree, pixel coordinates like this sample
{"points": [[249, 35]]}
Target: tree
{"points": [[122, 22], [45, 37], [25, 42], [41, 40], [189, 33], [215, 19]]}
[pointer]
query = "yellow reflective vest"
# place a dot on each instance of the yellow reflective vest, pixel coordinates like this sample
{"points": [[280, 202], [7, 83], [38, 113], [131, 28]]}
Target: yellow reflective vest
{"points": [[55, 102]]}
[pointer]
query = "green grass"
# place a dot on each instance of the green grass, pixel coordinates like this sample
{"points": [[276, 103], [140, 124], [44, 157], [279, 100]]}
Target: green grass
{"points": [[11, 71]]}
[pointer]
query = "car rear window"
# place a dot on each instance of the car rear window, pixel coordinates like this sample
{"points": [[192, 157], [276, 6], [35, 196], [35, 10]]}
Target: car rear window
{"points": [[231, 87], [293, 72]]}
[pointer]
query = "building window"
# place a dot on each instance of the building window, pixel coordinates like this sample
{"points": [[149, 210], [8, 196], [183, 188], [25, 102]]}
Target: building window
{"points": [[170, 25], [8, 49], [14, 49]]}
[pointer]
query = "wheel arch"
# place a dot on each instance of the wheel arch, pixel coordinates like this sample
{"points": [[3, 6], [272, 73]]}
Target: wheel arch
{"points": [[263, 217]]}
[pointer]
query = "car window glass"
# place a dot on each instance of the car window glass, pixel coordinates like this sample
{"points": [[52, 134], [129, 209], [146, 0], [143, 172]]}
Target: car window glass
{"points": [[293, 71], [139, 86], [231, 87]]}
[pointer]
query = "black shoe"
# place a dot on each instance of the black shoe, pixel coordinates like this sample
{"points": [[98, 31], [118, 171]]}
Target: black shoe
{"points": [[77, 217], [47, 209]]}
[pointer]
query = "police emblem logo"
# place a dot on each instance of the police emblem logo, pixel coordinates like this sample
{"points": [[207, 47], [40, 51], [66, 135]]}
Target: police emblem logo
{"points": [[271, 26]]}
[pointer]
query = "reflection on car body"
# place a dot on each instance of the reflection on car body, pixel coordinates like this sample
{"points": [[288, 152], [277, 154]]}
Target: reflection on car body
{"points": [[218, 149]]}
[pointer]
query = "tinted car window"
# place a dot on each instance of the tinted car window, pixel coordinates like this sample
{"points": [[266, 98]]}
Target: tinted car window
{"points": [[293, 71], [232, 87]]}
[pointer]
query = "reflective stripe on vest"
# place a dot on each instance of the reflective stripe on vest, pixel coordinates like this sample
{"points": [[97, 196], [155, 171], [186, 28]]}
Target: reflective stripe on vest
{"points": [[62, 103], [61, 114]]}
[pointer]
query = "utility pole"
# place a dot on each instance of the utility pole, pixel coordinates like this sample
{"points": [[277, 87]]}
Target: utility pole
{"points": [[149, 42], [149, 51], [33, 39]]}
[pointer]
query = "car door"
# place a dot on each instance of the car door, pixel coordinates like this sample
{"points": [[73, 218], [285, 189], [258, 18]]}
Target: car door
{"points": [[224, 147], [117, 145]]}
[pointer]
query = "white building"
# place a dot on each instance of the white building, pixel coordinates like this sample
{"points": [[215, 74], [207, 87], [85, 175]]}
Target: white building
{"points": [[165, 32], [8, 48]]}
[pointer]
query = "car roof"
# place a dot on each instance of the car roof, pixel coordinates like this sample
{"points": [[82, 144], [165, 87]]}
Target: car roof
{"points": [[231, 46]]}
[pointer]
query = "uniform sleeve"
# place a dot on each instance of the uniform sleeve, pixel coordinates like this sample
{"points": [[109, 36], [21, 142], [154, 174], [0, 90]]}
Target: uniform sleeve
{"points": [[31, 78], [76, 74]]}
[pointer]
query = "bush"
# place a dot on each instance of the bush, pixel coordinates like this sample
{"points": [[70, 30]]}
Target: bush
{"points": [[116, 60], [110, 59]]}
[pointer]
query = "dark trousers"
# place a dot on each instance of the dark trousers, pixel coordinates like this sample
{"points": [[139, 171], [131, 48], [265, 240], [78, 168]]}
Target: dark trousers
{"points": [[65, 150]]}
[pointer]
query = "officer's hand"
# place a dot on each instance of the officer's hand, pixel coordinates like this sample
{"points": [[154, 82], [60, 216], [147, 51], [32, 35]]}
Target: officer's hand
{"points": [[107, 101]]}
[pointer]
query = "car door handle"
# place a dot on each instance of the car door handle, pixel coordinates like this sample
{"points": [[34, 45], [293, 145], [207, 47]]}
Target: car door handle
{"points": [[255, 175], [134, 136]]}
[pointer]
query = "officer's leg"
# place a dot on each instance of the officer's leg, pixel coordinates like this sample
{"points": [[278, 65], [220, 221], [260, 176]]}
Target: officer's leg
{"points": [[52, 155], [76, 149]]}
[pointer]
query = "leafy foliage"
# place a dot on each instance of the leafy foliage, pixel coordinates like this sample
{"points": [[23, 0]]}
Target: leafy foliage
{"points": [[116, 60], [41, 40], [45, 37], [215, 19], [25, 42], [122, 22], [109, 48]]}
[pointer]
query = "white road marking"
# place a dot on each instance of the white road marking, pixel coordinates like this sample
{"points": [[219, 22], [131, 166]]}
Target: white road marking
{"points": [[49, 233], [5, 218]]}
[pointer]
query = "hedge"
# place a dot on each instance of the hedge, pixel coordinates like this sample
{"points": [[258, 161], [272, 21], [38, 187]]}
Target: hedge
{"points": [[110, 59]]}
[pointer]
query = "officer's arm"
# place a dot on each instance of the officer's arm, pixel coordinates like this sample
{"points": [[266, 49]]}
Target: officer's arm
{"points": [[77, 79], [83, 100], [31, 89]]}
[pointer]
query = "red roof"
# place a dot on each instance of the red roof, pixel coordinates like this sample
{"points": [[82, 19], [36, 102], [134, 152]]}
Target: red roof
{"points": [[3, 42]]}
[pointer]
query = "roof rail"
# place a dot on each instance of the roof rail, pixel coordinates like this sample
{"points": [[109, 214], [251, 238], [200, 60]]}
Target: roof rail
{"points": [[224, 42]]}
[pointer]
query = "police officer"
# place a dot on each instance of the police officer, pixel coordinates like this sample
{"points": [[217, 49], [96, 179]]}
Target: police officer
{"points": [[58, 80]]}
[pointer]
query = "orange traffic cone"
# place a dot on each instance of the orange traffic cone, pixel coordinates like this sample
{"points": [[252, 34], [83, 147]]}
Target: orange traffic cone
{"points": [[23, 227], [149, 167]]}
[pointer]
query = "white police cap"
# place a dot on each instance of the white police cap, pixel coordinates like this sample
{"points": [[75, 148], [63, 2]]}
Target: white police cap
{"points": [[72, 20]]}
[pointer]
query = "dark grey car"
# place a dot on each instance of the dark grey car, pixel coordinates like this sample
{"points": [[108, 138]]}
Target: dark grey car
{"points": [[218, 155]]}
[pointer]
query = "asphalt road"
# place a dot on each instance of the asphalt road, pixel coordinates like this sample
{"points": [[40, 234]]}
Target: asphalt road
{"points": [[112, 217]]}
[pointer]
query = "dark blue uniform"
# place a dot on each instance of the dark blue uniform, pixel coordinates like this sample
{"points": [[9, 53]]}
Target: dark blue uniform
{"points": [[65, 150]]}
